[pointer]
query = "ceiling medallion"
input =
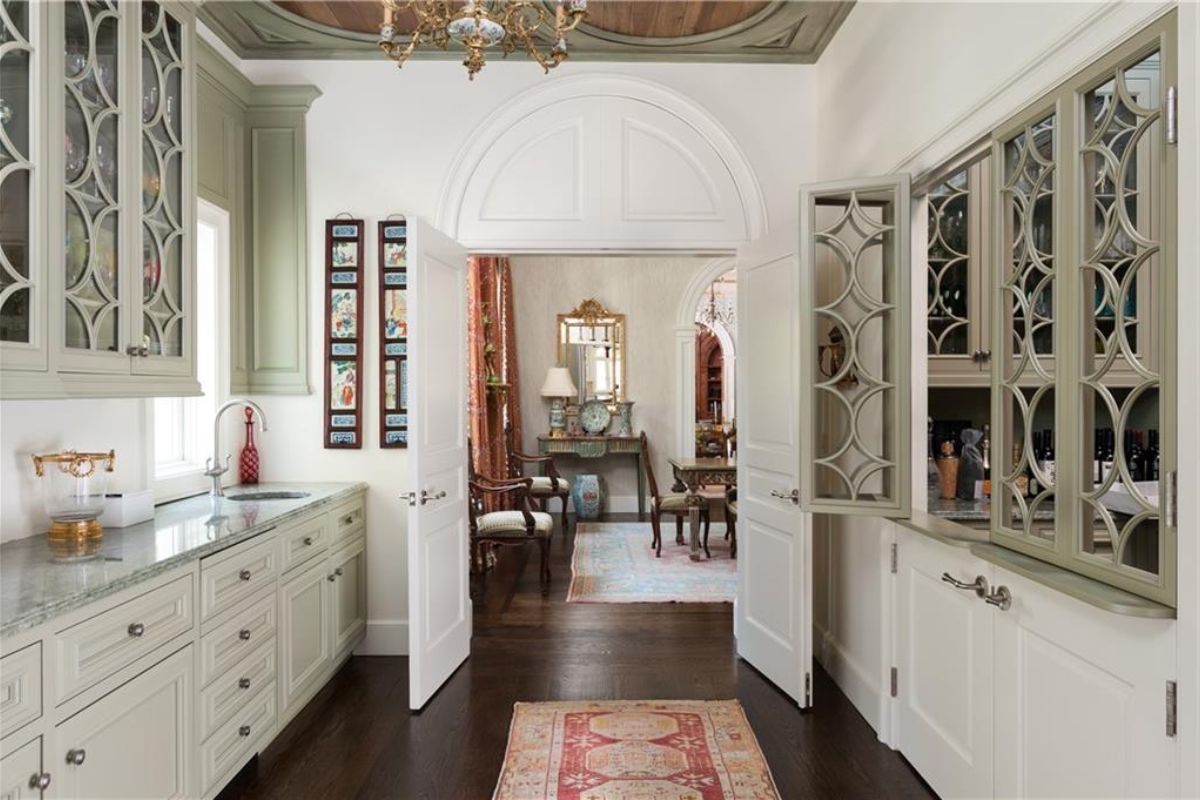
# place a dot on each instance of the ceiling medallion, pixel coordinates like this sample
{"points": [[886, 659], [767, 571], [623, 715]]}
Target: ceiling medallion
{"points": [[481, 24]]}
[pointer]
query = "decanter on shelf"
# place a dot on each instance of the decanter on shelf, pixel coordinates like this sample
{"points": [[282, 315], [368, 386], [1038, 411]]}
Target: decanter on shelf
{"points": [[248, 461]]}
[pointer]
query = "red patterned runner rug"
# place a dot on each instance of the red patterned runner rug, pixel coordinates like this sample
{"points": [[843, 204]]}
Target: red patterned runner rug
{"points": [[627, 750]]}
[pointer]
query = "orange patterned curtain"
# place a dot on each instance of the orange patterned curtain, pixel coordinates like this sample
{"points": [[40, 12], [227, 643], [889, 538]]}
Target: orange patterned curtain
{"points": [[495, 400]]}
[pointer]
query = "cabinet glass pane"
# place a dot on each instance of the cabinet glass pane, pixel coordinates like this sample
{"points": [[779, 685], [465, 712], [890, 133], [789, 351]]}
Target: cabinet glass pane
{"points": [[1026, 489], [947, 309], [16, 56], [1121, 165], [854, 261], [92, 283], [162, 181]]}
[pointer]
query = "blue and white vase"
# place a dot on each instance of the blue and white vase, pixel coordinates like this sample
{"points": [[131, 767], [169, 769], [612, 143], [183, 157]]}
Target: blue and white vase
{"points": [[587, 494], [623, 426]]}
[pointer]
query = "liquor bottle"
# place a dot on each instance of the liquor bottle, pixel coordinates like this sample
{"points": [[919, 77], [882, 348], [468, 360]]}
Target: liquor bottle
{"points": [[1020, 479], [1048, 468], [1133, 456], [1097, 456], [248, 461], [1151, 458], [985, 449], [1109, 453], [1034, 488]]}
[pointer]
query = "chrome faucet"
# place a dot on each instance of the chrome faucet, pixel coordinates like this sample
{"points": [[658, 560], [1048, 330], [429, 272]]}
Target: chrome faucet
{"points": [[212, 466]]}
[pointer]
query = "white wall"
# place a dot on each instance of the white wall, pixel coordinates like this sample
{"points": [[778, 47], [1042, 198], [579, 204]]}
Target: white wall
{"points": [[646, 289], [382, 140]]}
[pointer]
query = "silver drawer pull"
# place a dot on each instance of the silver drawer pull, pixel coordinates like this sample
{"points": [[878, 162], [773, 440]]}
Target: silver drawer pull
{"points": [[244, 634], [308, 540], [331, 577], [1001, 598], [346, 520], [244, 730], [244, 575], [39, 780], [136, 629], [76, 757], [243, 683], [979, 586]]}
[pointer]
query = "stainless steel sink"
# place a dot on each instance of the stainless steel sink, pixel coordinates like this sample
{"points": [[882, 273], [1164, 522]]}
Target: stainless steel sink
{"points": [[267, 496]]}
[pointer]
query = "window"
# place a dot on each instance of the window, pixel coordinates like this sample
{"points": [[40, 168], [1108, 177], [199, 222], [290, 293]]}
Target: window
{"points": [[181, 426]]}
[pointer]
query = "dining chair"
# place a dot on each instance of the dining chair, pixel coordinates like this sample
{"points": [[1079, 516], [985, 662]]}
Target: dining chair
{"points": [[517, 527], [544, 487], [731, 520], [674, 503]]}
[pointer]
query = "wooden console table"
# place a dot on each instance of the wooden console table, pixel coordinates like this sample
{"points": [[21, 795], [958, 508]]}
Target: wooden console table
{"points": [[598, 447]]}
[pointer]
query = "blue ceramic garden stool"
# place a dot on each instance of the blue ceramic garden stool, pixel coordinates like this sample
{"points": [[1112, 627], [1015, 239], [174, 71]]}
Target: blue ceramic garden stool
{"points": [[587, 493]]}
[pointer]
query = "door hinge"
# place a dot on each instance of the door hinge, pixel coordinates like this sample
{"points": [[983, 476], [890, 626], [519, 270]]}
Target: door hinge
{"points": [[895, 557], [895, 681], [1172, 713], [1171, 501], [1172, 116], [807, 689]]}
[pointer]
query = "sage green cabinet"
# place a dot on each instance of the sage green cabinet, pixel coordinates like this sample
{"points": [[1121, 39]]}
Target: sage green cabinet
{"points": [[106, 304], [1084, 194], [252, 163]]}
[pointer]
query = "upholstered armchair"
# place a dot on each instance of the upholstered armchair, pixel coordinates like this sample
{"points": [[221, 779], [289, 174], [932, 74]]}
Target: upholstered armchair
{"points": [[674, 503], [517, 527], [542, 488]]}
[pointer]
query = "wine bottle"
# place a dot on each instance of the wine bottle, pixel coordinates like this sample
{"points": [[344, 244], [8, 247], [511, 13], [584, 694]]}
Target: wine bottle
{"points": [[1048, 468], [1106, 463], [1133, 456], [1151, 458], [985, 449], [1034, 488]]}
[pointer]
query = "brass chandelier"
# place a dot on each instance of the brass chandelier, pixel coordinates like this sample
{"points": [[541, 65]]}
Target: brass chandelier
{"points": [[481, 24]]}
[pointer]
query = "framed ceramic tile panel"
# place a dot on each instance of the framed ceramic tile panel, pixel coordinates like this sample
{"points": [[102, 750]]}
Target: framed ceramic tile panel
{"points": [[344, 288], [393, 332]]}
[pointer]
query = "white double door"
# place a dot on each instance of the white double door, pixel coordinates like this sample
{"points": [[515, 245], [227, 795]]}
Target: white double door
{"points": [[773, 619]]}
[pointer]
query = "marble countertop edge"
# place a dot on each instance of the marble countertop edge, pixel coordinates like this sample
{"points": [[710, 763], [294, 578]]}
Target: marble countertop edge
{"points": [[34, 613]]}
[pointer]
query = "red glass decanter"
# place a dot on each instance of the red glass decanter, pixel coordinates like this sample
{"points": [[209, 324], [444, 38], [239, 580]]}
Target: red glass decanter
{"points": [[248, 462]]}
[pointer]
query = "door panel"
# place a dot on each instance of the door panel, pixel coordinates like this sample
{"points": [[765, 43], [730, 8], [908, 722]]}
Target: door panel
{"points": [[439, 606], [944, 662], [774, 603], [349, 594], [20, 771], [855, 354], [304, 627]]}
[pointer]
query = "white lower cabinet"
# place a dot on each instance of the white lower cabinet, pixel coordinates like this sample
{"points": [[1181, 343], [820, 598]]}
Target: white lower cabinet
{"points": [[944, 670], [22, 774], [305, 633], [134, 742], [349, 594], [1048, 698]]}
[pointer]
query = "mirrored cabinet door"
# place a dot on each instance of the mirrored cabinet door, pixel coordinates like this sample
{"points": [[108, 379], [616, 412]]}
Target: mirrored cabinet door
{"points": [[22, 317], [94, 292]]}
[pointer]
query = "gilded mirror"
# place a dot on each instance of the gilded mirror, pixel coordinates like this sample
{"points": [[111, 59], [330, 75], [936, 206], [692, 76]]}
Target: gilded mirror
{"points": [[591, 343]]}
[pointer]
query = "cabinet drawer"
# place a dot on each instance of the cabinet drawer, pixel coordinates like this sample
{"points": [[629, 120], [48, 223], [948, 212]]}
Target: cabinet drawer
{"points": [[235, 741], [303, 541], [348, 519], [237, 577], [93, 649], [20, 688], [221, 701], [231, 641]]}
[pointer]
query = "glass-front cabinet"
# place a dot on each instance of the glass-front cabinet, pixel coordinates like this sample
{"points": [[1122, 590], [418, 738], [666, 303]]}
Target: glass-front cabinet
{"points": [[115, 80], [1083, 412]]}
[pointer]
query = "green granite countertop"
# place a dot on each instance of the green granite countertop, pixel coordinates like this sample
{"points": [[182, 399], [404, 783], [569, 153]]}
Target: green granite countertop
{"points": [[35, 588]]}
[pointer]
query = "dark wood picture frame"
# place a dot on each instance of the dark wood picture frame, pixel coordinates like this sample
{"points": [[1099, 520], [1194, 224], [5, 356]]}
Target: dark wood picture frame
{"points": [[343, 333], [393, 332]]}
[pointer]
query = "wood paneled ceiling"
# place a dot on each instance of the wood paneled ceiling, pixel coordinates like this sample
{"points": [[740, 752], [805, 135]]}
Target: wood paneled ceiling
{"points": [[786, 31]]}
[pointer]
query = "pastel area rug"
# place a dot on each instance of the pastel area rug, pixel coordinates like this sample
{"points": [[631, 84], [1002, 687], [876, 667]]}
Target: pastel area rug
{"points": [[622, 750], [614, 563]]}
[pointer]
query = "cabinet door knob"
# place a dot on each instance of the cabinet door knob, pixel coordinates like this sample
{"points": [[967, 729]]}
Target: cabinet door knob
{"points": [[76, 757], [1001, 598], [243, 683], [308, 540], [39, 780], [346, 520], [331, 578], [244, 730], [136, 629], [244, 575], [792, 496], [338, 572], [244, 634]]}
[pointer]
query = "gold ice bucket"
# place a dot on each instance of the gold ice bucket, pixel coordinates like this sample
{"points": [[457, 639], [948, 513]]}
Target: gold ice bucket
{"points": [[73, 490]]}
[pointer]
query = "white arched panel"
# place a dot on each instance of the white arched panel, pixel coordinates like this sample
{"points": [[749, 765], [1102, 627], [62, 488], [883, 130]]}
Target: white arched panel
{"points": [[601, 163]]}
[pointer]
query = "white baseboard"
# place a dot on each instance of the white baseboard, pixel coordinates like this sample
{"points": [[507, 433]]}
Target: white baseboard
{"points": [[854, 681], [385, 637]]}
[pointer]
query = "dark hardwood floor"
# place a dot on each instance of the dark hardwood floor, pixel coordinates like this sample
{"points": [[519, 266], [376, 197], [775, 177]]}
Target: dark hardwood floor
{"points": [[358, 739]]}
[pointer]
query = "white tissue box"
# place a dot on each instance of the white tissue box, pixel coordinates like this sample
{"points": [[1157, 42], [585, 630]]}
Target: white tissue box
{"points": [[128, 508]]}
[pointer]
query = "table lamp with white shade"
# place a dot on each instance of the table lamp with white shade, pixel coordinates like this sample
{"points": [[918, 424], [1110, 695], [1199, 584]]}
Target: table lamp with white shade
{"points": [[558, 387]]}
